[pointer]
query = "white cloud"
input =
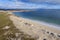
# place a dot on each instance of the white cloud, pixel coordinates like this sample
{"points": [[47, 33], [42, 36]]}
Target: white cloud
{"points": [[38, 1], [22, 5]]}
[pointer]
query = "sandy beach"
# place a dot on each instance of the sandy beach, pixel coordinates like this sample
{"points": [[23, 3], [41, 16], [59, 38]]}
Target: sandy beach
{"points": [[35, 29]]}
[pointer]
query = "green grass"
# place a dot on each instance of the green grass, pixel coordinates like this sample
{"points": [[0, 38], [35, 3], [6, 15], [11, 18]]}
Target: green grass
{"points": [[5, 21]]}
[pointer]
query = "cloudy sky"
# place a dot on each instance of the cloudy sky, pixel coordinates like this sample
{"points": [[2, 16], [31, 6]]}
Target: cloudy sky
{"points": [[38, 1], [30, 4]]}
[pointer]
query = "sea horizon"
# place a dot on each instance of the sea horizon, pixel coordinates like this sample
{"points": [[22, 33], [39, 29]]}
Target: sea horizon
{"points": [[46, 18], [53, 25]]}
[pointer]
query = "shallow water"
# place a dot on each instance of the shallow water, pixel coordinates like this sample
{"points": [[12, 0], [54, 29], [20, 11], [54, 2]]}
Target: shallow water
{"points": [[50, 16]]}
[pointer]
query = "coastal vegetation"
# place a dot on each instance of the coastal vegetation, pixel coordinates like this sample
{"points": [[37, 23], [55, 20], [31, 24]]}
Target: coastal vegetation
{"points": [[8, 31]]}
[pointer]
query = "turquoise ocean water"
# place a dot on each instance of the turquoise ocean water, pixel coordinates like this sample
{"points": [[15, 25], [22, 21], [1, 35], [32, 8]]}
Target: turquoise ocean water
{"points": [[49, 16]]}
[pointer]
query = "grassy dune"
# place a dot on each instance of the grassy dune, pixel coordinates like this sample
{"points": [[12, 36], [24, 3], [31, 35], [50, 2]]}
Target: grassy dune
{"points": [[5, 21], [10, 33]]}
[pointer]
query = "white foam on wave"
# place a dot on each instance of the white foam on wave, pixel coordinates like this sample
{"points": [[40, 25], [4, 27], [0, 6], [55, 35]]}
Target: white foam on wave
{"points": [[45, 23]]}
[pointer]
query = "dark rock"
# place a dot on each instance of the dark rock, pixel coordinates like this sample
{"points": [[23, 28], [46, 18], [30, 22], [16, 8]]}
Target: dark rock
{"points": [[44, 39], [27, 24], [58, 35], [52, 34], [47, 32]]}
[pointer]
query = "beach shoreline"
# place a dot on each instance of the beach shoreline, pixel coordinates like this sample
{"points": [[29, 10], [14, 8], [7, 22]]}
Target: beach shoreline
{"points": [[45, 23], [42, 22], [57, 27], [34, 28]]}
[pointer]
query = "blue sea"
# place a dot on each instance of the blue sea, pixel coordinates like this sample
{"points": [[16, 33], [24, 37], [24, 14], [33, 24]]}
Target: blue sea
{"points": [[46, 15]]}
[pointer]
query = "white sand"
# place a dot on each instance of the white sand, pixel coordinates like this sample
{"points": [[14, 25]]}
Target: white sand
{"points": [[44, 23], [34, 28]]}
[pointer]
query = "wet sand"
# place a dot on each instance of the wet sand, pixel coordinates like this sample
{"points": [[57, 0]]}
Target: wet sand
{"points": [[35, 29]]}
